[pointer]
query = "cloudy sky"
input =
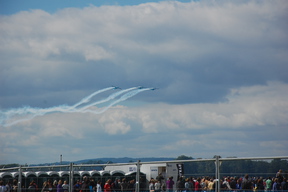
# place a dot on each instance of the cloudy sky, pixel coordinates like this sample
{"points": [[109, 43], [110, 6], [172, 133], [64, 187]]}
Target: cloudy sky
{"points": [[221, 68]]}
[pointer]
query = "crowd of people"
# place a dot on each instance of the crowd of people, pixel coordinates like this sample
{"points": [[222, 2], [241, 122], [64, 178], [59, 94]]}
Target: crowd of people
{"points": [[118, 185], [208, 184], [159, 184], [232, 184]]}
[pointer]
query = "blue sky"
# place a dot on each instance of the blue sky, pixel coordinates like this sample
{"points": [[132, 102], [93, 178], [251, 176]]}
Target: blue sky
{"points": [[220, 66], [51, 6]]}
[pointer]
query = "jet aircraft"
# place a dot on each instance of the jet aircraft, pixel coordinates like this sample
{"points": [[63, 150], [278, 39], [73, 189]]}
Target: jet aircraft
{"points": [[141, 87], [116, 87]]}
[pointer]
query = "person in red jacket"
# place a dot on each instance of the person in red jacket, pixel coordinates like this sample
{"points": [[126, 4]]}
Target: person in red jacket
{"points": [[197, 184], [107, 186]]}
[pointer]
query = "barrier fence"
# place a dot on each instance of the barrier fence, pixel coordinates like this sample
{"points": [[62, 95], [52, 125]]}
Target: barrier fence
{"points": [[73, 172]]}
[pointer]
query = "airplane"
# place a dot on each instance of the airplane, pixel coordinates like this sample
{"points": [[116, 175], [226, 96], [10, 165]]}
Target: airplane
{"points": [[116, 87], [141, 87]]}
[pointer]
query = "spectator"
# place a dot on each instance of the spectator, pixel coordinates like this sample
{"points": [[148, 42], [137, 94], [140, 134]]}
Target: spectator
{"points": [[124, 185], [32, 187], [8, 186], [2, 187], [47, 186], [211, 185], [260, 184], [233, 183], [98, 186], [131, 185], [246, 183], [159, 177], [65, 186], [77, 186], [170, 184], [226, 184], [59, 186], [85, 185], [157, 185], [279, 175], [91, 185], [276, 185], [15, 185], [268, 184], [197, 184], [107, 186], [117, 184], [152, 185], [239, 184], [180, 184], [163, 186], [187, 185], [284, 184], [55, 183]]}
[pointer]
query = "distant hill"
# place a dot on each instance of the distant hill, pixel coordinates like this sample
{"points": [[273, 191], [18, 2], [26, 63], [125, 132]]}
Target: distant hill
{"points": [[110, 160], [123, 160]]}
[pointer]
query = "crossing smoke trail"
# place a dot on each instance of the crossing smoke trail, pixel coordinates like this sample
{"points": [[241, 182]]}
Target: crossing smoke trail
{"points": [[112, 96], [88, 98], [14, 116], [123, 98]]}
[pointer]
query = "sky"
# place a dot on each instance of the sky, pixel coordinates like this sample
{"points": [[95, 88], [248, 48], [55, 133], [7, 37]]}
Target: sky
{"points": [[221, 69]]}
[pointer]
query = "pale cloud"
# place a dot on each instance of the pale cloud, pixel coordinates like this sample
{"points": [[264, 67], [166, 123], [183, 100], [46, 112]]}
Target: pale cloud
{"points": [[31, 140], [10, 150], [247, 108], [88, 33], [115, 125], [76, 150]]}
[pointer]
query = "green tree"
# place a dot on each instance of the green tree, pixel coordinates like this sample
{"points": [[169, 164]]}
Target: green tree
{"points": [[183, 157]]}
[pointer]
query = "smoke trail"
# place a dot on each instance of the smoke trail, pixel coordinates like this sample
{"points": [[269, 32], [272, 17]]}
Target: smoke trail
{"points": [[14, 116], [112, 96], [88, 98], [122, 98]]}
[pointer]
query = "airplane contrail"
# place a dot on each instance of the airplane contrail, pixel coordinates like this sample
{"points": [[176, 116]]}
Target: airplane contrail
{"points": [[14, 116], [122, 98], [88, 98], [112, 96]]}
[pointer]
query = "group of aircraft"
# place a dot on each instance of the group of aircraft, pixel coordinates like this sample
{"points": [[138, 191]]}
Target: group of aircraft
{"points": [[140, 87]]}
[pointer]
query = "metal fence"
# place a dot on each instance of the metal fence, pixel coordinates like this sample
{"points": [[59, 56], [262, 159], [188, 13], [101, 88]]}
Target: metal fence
{"points": [[73, 172]]}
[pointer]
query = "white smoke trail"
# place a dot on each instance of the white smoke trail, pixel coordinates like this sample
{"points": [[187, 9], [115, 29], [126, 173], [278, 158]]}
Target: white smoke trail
{"points": [[88, 98], [122, 98], [112, 96], [14, 116]]}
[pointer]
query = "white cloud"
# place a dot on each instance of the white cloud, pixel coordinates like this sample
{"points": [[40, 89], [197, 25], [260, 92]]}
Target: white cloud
{"points": [[157, 28], [250, 107]]}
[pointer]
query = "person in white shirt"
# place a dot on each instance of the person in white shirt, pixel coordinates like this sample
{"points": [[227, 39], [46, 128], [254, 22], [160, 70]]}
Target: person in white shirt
{"points": [[2, 187], [98, 187], [65, 186]]}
